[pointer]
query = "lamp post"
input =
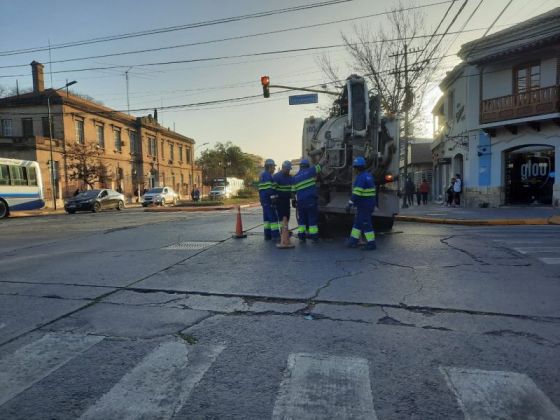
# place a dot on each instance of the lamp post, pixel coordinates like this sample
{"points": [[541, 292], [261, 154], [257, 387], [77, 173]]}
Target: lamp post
{"points": [[53, 189], [192, 164]]}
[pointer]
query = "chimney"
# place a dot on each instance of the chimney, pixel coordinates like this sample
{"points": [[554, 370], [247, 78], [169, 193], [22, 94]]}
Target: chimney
{"points": [[38, 77]]}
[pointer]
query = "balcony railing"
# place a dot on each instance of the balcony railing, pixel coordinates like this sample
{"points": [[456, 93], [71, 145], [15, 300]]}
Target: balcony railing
{"points": [[527, 104]]}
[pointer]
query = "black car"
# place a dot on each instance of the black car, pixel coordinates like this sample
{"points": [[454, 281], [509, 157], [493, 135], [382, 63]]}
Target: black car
{"points": [[95, 200]]}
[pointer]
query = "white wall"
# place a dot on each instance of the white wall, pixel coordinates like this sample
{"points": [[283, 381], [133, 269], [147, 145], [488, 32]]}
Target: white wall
{"points": [[548, 72], [497, 81]]}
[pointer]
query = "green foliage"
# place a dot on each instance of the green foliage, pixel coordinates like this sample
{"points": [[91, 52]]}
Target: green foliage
{"points": [[247, 193], [227, 159]]}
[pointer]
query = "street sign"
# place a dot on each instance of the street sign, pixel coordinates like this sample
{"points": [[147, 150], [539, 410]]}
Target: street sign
{"points": [[310, 98]]}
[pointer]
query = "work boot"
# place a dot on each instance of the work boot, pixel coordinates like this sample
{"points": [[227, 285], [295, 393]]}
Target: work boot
{"points": [[370, 246]]}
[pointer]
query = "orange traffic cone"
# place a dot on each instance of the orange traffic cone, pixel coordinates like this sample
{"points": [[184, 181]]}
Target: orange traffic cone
{"points": [[285, 241], [239, 226]]}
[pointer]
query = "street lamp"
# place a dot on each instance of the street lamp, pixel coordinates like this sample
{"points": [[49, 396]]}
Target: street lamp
{"points": [[192, 164], [53, 189]]}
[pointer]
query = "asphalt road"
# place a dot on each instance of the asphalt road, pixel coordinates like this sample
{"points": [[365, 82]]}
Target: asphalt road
{"points": [[162, 315]]}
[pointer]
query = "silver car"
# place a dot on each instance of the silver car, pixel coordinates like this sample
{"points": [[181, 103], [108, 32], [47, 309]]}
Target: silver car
{"points": [[160, 196]]}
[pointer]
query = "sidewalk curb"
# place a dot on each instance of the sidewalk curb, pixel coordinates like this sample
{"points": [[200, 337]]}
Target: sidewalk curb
{"points": [[553, 220], [187, 209]]}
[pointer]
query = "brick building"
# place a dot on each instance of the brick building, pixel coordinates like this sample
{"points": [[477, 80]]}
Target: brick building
{"points": [[136, 152]]}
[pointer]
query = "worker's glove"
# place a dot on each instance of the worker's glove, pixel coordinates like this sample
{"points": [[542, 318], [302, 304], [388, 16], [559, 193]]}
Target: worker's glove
{"points": [[294, 203], [349, 206]]}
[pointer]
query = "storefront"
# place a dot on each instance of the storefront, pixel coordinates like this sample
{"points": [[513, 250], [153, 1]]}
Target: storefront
{"points": [[529, 174]]}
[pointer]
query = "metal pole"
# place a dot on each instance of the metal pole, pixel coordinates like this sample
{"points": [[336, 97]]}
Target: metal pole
{"points": [[405, 204], [127, 97], [51, 151]]}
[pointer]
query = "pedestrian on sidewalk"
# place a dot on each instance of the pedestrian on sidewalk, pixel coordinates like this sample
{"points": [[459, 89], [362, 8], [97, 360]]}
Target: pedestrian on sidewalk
{"points": [[364, 199], [457, 189], [418, 195], [450, 193], [424, 189], [409, 191], [267, 195]]}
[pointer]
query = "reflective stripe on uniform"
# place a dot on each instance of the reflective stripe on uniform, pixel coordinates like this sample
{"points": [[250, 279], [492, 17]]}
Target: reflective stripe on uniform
{"points": [[313, 230], [266, 185], [284, 188], [370, 236], [364, 192], [301, 229], [318, 168], [274, 226], [266, 225], [355, 233], [309, 182]]}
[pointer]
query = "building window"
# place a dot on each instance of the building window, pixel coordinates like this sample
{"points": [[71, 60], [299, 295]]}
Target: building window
{"points": [[100, 136], [79, 124], [189, 155], [450, 105], [152, 146], [133, 142], [180, 153], [171, 152], [118, 141], [162, 150], [4, 175], [173, 180], [527, 77], [182, 182], [45, 124], [6, 128], [27, 127], [162, 179]]}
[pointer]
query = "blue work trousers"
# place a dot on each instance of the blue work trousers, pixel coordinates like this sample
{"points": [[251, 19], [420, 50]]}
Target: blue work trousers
{"points": [[362, 224], [270, 219], [308, 217], [283, 209]]}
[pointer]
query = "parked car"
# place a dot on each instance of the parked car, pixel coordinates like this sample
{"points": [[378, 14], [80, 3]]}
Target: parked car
{"points": [[219, 193], [160, 196], [95, 201]]}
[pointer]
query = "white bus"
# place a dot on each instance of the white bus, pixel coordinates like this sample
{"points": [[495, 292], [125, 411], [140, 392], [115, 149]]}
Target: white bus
{"points": [[21, 187]]}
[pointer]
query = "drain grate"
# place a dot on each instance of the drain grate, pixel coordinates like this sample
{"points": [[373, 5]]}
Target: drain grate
{"points": [[190, 245]]}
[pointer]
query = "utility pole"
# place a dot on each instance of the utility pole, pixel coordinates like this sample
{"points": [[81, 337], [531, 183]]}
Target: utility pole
{"points": [[407, 104], [127, 97]]}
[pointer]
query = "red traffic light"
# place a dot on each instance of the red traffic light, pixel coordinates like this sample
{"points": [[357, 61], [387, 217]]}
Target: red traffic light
{"points": [[265, 81]]}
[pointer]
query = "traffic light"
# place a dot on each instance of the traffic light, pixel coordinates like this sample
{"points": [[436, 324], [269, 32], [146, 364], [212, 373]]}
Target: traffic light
{"points": [[265, 81]]}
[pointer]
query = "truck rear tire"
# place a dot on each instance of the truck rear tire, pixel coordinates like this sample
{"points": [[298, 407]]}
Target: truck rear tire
{"points": [[383, 224]]}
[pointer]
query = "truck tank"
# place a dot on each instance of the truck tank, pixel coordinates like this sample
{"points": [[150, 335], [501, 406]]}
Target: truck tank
{"points": [[354, 128]]}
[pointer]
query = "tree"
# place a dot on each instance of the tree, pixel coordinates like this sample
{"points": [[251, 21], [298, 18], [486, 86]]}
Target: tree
{"points": [[377, 54], [227, 159], [84, 164]]}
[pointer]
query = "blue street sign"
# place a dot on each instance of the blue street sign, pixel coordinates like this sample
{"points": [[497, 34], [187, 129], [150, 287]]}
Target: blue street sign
{"points": [[310, 98]]}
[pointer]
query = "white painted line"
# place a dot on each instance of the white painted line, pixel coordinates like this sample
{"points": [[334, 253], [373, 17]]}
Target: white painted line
{"points": [[509, 242], [157, 387], [36, 360], [550, 261], [324, 387], [538, 249], [483, 394]]}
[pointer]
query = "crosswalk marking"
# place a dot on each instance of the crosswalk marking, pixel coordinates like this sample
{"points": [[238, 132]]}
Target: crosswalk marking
{"points": [[320, 386], [36, 360], [538, 249], [551, 261], [483, 394], [158, 386]]}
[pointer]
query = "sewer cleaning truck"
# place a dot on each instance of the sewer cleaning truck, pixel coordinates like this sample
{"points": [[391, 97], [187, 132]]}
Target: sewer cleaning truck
{"points": [[354, 127]]}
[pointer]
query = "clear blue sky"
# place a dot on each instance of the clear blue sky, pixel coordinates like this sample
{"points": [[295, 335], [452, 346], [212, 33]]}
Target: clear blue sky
{"points": [[270, 128]]}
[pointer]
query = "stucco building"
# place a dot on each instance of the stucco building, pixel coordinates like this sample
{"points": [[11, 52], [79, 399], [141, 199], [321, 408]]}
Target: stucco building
{"points": [[136, 152], [499, 117]]}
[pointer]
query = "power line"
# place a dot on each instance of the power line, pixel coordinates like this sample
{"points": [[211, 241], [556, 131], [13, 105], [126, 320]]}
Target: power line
{"points": [[178, 27], [498, 17], [295, 28], [264, 53]]}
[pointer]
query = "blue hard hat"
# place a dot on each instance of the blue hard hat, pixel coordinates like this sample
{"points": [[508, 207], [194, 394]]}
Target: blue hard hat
{"points": [[286, 164], [304, 163], [358, 162], [269, 162]]}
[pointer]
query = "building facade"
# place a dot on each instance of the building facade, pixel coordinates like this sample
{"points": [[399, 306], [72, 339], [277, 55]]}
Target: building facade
{"points": [[498, 121], [136, 153]]}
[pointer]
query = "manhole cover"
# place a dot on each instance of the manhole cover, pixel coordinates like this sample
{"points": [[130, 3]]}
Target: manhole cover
{"points": [[190, 245]]}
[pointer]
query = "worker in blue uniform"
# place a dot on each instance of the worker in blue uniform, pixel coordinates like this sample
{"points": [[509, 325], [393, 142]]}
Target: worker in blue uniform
{"points": [[283, 184], [267, 195], [306, 201], [364, 198]]}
